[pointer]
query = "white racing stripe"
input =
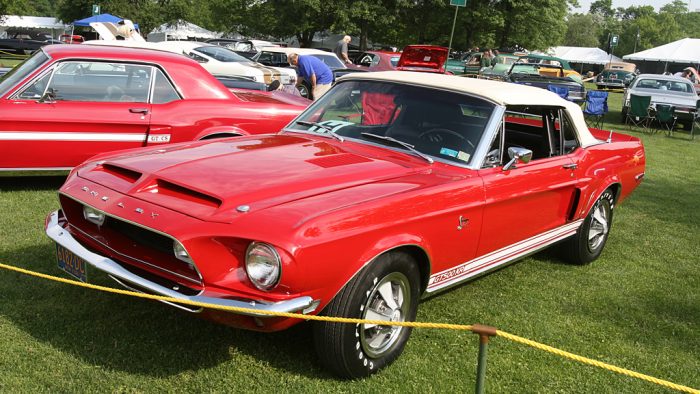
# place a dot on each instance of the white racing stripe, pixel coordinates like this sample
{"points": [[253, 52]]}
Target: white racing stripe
{"points": [[71, 136], [499, 257]]}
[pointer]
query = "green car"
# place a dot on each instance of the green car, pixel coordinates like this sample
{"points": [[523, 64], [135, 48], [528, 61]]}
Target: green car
{"points": [[555, 61], [500, 66], [468, 65]]}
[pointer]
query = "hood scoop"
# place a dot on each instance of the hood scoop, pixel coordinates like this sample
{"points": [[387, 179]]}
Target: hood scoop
{"points": [[174, 196], [122, 173]]}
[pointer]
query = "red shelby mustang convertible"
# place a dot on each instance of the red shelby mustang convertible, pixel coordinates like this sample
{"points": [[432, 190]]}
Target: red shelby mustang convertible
{"points": [[392, 186]]}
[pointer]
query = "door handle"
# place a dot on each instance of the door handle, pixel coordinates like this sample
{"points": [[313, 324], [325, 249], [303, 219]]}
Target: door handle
{"points": [[138, 110], [571, 166]]}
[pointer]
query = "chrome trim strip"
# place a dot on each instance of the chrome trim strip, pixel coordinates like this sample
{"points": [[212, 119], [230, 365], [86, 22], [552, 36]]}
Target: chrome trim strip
{"points": [[70, 136], [184, 308], [490, 261], [199, 274], [35, 169], [112, 268]]}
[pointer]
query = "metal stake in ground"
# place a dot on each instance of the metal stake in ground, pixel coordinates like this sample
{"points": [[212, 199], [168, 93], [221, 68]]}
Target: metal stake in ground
{"points": [[484, 332]]}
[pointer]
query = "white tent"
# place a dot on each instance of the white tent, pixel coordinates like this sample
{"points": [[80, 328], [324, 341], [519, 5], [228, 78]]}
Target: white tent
{"points": [[584, 55], [182, 30], [30, 22], [686, 50]]}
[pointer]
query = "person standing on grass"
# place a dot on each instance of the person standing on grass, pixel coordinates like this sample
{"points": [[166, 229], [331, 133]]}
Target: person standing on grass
{"points": [[314, 71], [341, 49]]}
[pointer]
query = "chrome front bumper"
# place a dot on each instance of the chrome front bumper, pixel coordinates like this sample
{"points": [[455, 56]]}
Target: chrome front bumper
{"points": [[127, 279]]}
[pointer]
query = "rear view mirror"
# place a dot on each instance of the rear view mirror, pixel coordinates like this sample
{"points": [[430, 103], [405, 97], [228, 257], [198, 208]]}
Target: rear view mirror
{"points": [[517, 155]]}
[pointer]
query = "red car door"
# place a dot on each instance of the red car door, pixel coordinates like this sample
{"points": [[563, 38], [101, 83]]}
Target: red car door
{"points": [[530, 205], [74, 111]]}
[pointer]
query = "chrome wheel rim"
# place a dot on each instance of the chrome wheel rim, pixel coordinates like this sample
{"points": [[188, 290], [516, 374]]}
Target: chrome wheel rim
{"points": [[389, 300], [599, 226], [303, 91]]}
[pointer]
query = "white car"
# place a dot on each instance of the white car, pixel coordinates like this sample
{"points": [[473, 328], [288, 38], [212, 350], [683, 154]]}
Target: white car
{"points": [[215, 59], [223, 61], [665, 89]]}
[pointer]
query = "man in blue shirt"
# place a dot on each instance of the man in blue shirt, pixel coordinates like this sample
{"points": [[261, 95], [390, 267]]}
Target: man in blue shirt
{"points": [[314, 71]]}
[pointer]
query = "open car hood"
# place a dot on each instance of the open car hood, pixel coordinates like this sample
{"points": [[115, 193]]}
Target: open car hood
{"points": [[430, 58], [209, 180]]}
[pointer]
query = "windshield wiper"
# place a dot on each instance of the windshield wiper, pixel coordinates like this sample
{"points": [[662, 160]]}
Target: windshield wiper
{"points": [[323, 126], [400, 143]]}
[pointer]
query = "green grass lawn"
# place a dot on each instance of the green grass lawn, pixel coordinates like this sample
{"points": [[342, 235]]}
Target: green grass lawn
{"points": [[9, 62], [638, 307]]}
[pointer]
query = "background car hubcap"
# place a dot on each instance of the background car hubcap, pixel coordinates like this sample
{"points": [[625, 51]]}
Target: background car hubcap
{"points": [[388, 300], [599, 227]]}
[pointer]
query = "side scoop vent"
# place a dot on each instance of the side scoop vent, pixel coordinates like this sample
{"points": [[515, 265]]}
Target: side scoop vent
{"points": [[122, 173], [169, 189]]}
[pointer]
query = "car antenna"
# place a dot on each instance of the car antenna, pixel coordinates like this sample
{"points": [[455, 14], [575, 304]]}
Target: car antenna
{"points": [[610, 137]]}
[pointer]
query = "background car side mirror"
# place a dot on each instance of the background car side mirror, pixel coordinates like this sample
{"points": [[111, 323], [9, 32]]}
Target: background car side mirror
{"points": [[49, 97], [517, 155]]}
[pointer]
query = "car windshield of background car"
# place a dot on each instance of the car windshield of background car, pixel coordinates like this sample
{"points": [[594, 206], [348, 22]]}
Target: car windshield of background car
{"points": [[222, 54], [446, 126], [659, 84], [21, 71], [331, 61]]}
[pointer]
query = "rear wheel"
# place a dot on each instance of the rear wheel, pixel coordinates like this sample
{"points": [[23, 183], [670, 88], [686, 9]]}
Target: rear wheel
{"points": [[387, 289], [304, 90], [588, 242]]}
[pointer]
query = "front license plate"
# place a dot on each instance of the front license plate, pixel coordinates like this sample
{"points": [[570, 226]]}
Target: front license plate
{"points": [[71, 263]]}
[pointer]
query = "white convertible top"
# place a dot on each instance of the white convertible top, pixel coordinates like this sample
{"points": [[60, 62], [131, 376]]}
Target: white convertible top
{"points": [[502, 93]]}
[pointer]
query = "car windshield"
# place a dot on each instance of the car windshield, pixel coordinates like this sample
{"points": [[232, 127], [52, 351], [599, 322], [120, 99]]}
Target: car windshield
{"points": [[21, 71], [331, 61], [442, 125], [221, 54], [660, 84]]}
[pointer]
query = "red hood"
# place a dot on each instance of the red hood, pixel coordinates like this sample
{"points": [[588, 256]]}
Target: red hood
{"points": [[423, 58], [209, 180]]}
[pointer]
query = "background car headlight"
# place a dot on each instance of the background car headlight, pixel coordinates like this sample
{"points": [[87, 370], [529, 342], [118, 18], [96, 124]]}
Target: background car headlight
{"points": [[263, 265], [92, 215]]}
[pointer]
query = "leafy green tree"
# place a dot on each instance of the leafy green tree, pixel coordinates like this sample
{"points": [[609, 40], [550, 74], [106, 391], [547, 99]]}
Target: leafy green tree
{"points": [[582, 30]]}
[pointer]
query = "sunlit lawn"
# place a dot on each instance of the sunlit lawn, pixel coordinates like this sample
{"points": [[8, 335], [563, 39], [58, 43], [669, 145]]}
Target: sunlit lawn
{"points": [[638, 306]]}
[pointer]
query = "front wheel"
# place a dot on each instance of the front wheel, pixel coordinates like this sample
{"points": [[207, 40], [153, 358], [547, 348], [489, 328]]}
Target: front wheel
{"points": [[588, 242], [388, 290], [304, 90]]}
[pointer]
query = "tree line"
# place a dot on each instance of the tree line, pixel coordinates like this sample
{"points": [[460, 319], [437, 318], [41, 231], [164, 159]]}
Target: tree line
{"points": [[532, 24]]}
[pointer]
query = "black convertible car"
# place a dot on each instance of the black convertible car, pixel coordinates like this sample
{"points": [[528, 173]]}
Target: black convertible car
{"points": [[546, 76], [23, 43]]}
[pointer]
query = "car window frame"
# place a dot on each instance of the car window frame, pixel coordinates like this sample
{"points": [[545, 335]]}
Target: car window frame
{"points": [[51, 69]]}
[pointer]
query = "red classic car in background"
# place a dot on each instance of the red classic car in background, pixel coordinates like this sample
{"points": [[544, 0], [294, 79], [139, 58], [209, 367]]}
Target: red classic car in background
{"points": [[393, 185], [69, 102]]}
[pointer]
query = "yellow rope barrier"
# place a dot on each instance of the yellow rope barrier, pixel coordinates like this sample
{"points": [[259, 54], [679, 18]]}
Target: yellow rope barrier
{"points": [[447, 326], [13, 54]]}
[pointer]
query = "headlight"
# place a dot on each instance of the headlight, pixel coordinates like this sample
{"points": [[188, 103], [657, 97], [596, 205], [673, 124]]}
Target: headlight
{"points": [[92, 215], [181, 253], [263, 265]]}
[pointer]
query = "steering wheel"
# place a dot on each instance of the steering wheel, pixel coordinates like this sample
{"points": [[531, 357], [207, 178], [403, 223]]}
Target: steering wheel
{"points": [[438, 135]]}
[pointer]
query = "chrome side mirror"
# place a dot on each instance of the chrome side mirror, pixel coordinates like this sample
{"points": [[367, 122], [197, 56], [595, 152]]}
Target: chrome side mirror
{"points": [[517, 155], [49, 97]]}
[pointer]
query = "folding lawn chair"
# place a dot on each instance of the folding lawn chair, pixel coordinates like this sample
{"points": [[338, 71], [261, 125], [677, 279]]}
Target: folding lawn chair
{"points": [[638, 112], [596, 108], [696, 120], [562, 91], [665, 117]]}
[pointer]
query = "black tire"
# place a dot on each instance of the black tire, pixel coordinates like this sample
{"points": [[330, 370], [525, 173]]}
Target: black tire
{"points": [[355, 351], [304, 90], [588, 242]]}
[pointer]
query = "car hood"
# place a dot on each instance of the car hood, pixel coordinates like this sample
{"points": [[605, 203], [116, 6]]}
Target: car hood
{"points": [[211, 180]]}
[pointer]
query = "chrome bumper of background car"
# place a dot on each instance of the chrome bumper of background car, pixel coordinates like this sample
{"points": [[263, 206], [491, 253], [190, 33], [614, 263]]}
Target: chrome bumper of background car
{"points": [[129, 280]]}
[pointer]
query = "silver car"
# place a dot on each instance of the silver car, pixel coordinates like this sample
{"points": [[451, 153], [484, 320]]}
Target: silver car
{"points": [[665, 89]]}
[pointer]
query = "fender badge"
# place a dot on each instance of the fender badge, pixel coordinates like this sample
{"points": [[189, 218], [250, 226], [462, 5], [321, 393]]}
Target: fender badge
{"points": [[462, 222]]}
